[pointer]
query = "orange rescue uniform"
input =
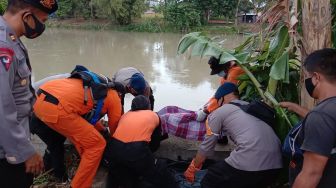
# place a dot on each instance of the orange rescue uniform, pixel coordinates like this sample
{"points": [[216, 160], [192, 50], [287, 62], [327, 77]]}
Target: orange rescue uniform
{"points": [[66, 118], [136, 126], [233, 74]]}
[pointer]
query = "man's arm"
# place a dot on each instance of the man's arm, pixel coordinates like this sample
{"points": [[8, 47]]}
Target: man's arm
{"points": [[214, 126], [312, 170], [114, 110], [36, 85], [13, 138], [299, 110]]}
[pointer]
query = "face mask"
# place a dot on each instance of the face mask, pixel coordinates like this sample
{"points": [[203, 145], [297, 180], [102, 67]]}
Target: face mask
{"points": [[309, 86], [34, 32], [221, 74]]}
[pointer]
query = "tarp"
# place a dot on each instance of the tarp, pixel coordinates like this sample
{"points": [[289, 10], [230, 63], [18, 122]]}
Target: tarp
{"points": [[181, 123]]}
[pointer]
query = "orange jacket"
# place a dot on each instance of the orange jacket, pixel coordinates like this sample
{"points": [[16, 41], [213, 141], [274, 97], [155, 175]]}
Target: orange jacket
{"points": [[232, 76], [70, 93], [136, 126]]}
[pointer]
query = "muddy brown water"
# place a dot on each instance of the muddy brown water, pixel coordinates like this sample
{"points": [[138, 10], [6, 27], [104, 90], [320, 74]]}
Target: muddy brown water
{"points": [[176, 80]]}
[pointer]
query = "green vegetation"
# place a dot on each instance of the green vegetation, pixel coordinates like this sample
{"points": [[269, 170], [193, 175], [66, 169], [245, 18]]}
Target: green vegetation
{"points": [[270, 59], [3, 4], [177, 16], [123, 11]]}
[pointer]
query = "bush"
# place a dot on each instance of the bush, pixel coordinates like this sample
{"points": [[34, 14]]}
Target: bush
{"points": [[151, 25], [65, 9], [182, 15]]}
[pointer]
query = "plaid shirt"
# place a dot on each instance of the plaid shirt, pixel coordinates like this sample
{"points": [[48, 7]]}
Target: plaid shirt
{"points": [[181, 123]]}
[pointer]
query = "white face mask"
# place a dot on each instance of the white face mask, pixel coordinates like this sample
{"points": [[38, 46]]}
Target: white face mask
{"points": [[221, 74]]}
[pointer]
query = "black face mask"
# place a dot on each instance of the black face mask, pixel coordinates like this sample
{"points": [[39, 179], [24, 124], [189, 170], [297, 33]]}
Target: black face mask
{"points": [[34, 32], [309, 86]]}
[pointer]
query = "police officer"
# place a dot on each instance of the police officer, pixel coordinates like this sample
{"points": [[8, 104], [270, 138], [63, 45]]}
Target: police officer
{"points": [[18, 158]]}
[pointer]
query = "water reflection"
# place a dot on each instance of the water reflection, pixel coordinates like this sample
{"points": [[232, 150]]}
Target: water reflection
{"points": [[176, 80]]}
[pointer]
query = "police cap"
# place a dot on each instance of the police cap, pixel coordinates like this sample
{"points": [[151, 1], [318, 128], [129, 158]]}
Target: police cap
{"points": [[47, 6]]}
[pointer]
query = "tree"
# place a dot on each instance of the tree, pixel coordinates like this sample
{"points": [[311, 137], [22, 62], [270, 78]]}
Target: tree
{"points": [[122, 10], [204, 6], [65, 9], [215, 8], [242, 6], [182, 15], [316, 30]]}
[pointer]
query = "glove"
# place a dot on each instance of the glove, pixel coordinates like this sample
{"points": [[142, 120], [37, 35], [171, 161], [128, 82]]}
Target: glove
{"points": [[189, 174], [201, 115]]}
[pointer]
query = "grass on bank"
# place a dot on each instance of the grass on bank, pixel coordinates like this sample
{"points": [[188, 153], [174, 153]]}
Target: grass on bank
{"points": [[148, 23]]}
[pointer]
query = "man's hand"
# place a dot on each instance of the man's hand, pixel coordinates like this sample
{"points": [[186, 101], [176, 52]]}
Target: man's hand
{"points": [[189, 174], [201, 115], [293, 107], [34, 164], [289, 105]]}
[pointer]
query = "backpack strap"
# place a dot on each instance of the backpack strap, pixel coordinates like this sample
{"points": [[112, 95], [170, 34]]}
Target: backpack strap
{"points": [[98, 85], [236, 104], [98, 104], [86, 77]]}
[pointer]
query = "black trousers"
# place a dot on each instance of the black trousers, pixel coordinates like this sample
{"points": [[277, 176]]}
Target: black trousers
{"points": [[222, 175], [133, 166], [54, 155], [14, 176]]}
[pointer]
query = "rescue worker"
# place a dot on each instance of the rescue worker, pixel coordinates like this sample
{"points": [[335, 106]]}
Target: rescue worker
{"points": [[134, 82], [53, 157], [60, 106], [228, 72], [133, 163], [256, 159], [18, 158]]}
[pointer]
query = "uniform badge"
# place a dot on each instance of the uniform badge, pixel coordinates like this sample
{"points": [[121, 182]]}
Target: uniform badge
{"points": [[12, 36], [6, 57], [23, 82], [48, 3]]}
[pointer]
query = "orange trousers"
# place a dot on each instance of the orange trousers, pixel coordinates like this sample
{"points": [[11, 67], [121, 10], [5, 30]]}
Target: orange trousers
{"points": [[87, 140]]}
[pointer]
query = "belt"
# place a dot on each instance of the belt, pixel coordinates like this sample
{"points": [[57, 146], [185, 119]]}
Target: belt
{"points": [[48, 97]]}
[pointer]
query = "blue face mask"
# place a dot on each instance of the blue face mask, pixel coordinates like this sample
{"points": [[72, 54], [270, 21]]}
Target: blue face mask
{"points": [[221, 74]]}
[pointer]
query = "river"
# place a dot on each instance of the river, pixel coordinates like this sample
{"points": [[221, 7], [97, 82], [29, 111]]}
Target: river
{"points": [[176, 80]]}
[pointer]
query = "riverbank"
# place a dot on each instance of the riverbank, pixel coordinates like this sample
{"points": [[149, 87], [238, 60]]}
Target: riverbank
{"points": [[147, 24]]}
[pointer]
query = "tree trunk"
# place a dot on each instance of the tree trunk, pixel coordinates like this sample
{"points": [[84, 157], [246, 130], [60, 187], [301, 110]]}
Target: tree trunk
{"points": [[237, 12], [316, 28]]}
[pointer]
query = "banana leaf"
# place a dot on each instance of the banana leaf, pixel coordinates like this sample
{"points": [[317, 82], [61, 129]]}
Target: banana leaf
{"points": [[279, 43], [280, 69]]}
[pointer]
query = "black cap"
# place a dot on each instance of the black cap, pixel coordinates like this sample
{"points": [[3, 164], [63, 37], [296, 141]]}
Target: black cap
{"points": [[47, 6], [216, 67]]}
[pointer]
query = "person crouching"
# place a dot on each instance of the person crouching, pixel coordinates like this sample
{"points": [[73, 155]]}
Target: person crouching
{"points": [[133, 164]]}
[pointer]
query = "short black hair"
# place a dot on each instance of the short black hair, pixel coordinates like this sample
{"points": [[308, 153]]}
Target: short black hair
{"points": [[322, 61], [140, 102], [15, 6]]}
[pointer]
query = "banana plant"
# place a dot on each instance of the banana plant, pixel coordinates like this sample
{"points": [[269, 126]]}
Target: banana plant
{"points": [[270, 59]]}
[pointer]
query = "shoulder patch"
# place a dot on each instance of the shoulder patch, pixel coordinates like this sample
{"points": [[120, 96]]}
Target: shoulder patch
{"points": [[3, 34], [6, 57]]}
